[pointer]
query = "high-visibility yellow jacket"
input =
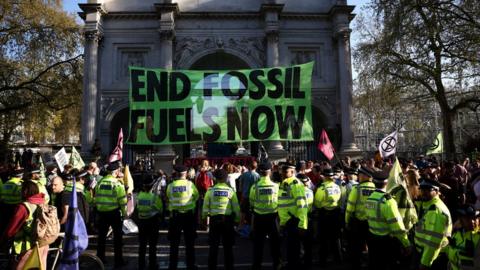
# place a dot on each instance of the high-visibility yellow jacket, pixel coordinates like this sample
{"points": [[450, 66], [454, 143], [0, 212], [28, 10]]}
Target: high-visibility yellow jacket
{"points": [[148, 205], [43, 189], [221, 199], [309, 196], [11, 191], [328, 195], [23, 240], [110, 195], [356, 201], [292, 202], [432, 230], [384, 218], [182, 195], [461, 251], [263, 196]]}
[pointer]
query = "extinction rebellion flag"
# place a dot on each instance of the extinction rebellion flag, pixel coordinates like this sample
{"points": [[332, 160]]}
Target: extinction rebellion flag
{"points": [[437, 146], [388, 145], [181, 106]]}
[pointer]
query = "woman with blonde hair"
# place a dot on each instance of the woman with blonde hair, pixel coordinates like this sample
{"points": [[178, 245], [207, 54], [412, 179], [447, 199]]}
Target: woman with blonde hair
{"points": [[412, 178]]}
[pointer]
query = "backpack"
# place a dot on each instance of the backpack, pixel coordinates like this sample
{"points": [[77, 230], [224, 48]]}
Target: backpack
{"points": [[203, 182], [46, 226]]}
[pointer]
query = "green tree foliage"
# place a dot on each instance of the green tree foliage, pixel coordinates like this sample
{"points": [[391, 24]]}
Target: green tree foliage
{"points": [[40, 68], [424, 48]]}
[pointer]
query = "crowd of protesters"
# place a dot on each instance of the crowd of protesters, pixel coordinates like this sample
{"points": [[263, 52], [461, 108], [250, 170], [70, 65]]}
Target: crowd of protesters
{"points": [[339, 207]]}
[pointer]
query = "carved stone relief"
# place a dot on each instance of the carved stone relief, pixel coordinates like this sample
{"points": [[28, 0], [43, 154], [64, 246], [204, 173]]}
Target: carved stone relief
{"points": [[107, 103], [187, 47]]}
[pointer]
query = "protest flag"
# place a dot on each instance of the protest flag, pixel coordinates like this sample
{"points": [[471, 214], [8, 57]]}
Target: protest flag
{"points": [[437, 146], [34, 262], [128, 181], [397, 187], [325, 146], [76, 236], [117, 153], [76, 160], [388, 145]]}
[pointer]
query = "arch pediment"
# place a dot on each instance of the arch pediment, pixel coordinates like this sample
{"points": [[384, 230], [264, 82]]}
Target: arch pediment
{"points": [[189, 50]]}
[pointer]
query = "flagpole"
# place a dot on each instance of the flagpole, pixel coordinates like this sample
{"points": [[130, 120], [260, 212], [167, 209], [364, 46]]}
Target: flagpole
{"points": [[339, 161]]}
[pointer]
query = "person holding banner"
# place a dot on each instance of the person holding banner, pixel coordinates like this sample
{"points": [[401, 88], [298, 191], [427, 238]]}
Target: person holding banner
{"points": [[111, 204]]}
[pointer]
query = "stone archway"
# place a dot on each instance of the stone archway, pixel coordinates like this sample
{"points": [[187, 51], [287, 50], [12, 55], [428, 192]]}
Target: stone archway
{"points": [[218, 60]]}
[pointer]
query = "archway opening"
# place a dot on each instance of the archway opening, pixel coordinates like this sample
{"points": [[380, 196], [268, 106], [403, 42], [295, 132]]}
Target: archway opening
{"points": [[220, 60]]}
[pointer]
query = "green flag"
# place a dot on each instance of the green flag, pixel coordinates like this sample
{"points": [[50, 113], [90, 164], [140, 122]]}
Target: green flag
{"points": [[397, 187], [437, 146], [395, 177], [41, 167], [76, 160]]}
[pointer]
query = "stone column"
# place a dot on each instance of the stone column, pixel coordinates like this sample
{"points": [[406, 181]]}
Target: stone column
{"points": [[93, 32], [271, 11], [345, 86], [166, 11]]}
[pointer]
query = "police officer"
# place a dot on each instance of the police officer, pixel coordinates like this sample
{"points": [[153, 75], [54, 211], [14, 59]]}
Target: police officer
{"points": [[111, 204], [182, 196], [221, 205], [356, 217], [264, 202], [149, 208], [293, 213], [385, 226], [433, 228], [465, 241], [10, 196], [327, 199], [34, 175], [307, 240]]}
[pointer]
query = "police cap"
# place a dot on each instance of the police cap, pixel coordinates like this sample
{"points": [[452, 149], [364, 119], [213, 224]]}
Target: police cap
{"points": [[302, 177], [112, 166], [468, 211], [35, 171], [287, 166], [327, 172], [265, 166], [429, 184], [220, 174], [18, 173], [379, 177], [365, 171], [180, 168], [351, 171]]}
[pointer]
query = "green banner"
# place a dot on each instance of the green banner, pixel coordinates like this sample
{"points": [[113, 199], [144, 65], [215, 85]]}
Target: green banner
{"points": [[185, 106]]}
